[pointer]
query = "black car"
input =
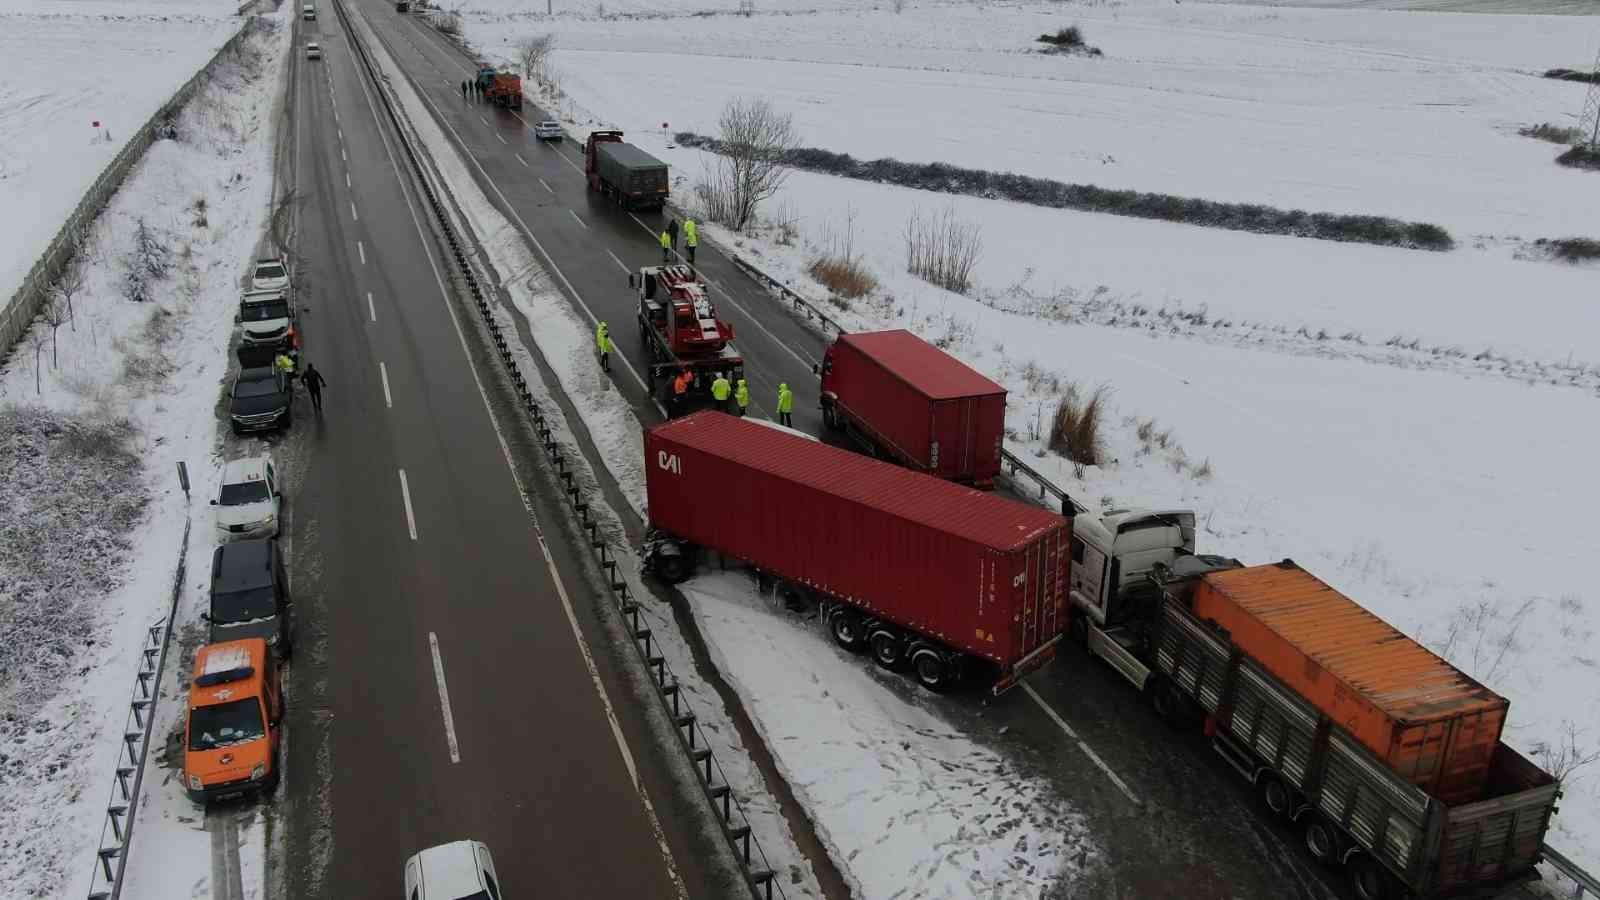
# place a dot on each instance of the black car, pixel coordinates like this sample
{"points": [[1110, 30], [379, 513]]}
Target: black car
{"points": [[249, 595], [260, 400]]}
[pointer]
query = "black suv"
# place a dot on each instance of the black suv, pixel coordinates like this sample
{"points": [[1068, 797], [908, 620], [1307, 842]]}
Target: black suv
{"points": [[249, 595], [260, 400]]}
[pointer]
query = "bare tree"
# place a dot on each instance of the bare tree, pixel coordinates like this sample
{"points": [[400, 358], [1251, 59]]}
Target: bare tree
{"points": [[54, 314], [532, 53], [69, 283], [1568, 754], [38, 354], [755, 140]]}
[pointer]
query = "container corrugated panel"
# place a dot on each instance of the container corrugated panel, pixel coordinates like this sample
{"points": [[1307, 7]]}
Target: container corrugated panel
{"points": [[1429, 722], [937, 413], [984, 574]]}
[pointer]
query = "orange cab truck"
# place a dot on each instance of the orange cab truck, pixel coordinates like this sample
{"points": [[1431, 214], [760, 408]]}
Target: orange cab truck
{"points": [[231, 735], [1383, 755]]}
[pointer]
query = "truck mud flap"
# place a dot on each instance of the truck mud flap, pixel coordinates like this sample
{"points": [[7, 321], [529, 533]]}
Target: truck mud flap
{"points": [[1027, 665]]}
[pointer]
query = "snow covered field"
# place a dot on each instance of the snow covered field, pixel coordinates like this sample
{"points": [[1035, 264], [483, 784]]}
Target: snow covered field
{"points": [[1434, 482], [70, 63], [151, 372]]}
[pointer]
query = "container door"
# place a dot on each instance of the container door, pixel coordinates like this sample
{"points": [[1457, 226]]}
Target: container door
{"points": [[968, 426]]}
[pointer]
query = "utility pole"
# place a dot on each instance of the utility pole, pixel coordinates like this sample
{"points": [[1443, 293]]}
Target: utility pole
{"points": [[1589, 122]]}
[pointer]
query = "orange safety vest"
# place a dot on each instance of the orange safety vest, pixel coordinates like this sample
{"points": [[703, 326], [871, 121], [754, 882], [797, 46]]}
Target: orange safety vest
{"points": [[680, 385]]}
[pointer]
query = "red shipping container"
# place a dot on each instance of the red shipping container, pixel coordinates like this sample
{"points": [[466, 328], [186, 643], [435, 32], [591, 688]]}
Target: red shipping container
{"points": [[977, 572], [921, 405]]}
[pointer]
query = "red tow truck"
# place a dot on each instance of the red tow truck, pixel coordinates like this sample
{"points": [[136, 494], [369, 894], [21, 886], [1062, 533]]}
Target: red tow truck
{"points": [[679, 325]]}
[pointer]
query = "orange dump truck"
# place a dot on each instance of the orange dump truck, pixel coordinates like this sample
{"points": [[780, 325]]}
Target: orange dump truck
{"points": [[1386, 757]]}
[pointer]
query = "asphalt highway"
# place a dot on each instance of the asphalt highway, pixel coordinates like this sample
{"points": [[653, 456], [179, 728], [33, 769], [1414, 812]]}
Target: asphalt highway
{"points": [[451, 679], [1193, 830]]}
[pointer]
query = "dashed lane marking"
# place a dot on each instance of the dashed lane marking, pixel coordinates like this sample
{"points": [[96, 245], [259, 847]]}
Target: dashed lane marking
{"points": [[1087, 750]]}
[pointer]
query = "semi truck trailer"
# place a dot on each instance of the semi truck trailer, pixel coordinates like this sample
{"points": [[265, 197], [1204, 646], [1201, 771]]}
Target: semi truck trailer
{"points": [[923, 573], [627, 175], [1386, 758], [903, 399]]}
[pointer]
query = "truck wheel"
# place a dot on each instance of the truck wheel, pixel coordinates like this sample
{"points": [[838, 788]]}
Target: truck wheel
{"points": [[1322, 839], [845, 626], [1369, 880], [1275, 795], [931, 669], [888, 649], [672, 569]]}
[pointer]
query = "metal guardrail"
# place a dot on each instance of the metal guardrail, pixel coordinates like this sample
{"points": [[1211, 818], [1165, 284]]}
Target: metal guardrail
{"points": [[111, 858], [24, 304], [1584, 881], [1010, 462], [718, 792]]}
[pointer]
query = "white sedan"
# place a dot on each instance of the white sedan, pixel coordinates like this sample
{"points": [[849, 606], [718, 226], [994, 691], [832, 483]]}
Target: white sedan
{"points": [[249, 503], [548, 130], [313, 50], [460, 870]]}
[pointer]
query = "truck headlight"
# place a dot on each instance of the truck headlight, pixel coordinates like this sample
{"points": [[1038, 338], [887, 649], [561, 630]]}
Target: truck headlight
{"points": [[195, 784], [258, 772]]}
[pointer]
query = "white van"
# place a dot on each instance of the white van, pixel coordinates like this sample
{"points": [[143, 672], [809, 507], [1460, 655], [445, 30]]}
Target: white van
{"points": [[308, 12]]}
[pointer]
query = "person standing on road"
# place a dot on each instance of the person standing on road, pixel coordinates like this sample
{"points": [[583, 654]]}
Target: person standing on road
{"points": [[691, 237], [741, 396], [602, 340], [680, 393], [785, 405], [463, 89], [720, 389], [666, 248], [672, 229], [314, 383]]}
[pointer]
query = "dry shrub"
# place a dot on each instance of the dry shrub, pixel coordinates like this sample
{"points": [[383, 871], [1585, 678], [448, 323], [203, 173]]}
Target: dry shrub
{"points": [[942, 249], [1075, 432], [845, 277]]}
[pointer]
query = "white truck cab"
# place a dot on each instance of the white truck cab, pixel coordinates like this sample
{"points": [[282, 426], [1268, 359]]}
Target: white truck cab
{"points": [[1112, 557]]}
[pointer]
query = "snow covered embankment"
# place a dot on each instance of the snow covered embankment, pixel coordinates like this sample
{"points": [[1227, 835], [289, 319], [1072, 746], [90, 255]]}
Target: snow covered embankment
{"points": [[118, 395]]}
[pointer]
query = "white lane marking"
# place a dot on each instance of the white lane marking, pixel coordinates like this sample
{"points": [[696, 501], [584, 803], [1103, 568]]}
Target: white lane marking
{"points": [[371, 310], [444, 698], [527, 502], [1088, 751], [483, 120], [501, 137], [411, 517], [388, 400], [547, 186], [527, 232], [620, 264], [341, 135], [521, 160], [804, 361], [361, 249], [580, 221], [347, 179], [353, 214], [342, 155], [564, 158]]}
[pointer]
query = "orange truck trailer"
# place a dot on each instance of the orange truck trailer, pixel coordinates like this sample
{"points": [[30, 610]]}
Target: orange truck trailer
{"points": [[1387, 758]]}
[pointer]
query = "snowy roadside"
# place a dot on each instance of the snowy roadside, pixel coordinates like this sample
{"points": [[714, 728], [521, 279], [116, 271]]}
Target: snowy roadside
{"points": [[834, 745], [148, 374], [62, 119]]}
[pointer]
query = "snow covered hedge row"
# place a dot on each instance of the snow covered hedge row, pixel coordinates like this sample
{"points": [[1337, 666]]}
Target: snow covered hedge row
{"points": [[1251, 217]]}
